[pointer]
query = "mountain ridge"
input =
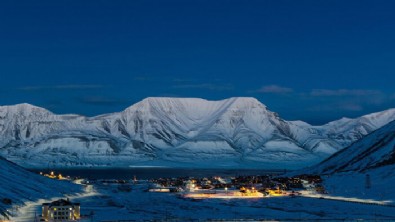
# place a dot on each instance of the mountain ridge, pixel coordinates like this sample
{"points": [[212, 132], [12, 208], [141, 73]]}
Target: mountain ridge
{"points": [[232, 132]]}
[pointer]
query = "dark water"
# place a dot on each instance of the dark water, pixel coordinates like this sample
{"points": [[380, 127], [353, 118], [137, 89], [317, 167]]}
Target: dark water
{"points": [[156, 172]]}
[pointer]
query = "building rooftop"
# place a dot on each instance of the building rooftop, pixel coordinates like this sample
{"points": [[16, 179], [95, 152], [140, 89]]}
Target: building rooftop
{"points": [[61, 202]]}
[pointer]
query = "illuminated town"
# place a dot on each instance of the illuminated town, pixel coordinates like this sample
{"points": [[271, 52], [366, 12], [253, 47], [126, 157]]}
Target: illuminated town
{"points": [[247, 190], [197, 110]]}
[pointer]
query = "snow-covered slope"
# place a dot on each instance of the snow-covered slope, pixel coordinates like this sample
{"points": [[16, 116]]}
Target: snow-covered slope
{"points": [[338, 134], [374, 151], [20, 185], [236, 132], [365, 170]]}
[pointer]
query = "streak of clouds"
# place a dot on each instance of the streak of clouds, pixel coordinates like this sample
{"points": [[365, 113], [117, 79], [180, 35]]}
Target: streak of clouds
{"points": [[275, 89], [344, 92], [61, 87]]}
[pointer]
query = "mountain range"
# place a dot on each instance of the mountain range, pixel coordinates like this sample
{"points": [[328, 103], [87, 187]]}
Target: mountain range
{"points": [[235, 132]]}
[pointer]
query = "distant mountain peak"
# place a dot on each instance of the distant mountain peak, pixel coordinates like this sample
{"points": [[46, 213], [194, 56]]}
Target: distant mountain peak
{"points": [[24, 108], [21, 106], [245, 100]]}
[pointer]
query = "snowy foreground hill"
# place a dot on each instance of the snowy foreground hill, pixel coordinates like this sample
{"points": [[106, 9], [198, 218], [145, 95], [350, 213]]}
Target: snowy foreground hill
{"points": [[236, 132], [19, 185], [365, 169], [376, 150]]}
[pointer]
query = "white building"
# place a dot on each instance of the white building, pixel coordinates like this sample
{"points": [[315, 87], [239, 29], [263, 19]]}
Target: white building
{"points": [[61, 210]]}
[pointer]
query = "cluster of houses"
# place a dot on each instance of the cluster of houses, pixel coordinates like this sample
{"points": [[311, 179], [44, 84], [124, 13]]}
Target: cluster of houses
{"points": [[53, 175], [240, 186]]}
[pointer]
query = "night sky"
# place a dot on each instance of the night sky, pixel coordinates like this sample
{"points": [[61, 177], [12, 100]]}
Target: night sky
{"points": [[313, 60]]}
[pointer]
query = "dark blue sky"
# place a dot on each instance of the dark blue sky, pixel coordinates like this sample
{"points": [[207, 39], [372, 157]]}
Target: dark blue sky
{"points": [[311, 60]]}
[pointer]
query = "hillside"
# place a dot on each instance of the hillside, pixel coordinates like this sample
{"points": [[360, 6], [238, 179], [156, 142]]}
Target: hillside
{"points": [[364, 170], [374, 151], [19, 185]]}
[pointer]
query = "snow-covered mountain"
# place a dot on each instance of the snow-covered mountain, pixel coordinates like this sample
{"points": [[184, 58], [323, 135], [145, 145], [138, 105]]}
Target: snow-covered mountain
{"points": [[19, 185], [374, 151], [236, 132], [364, 170]]}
